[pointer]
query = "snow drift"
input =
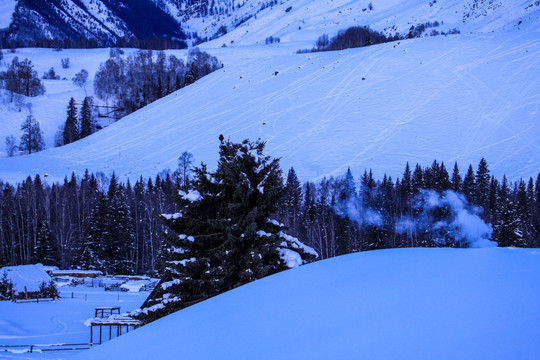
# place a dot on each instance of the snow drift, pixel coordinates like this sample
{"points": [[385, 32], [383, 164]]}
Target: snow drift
{"points": [[390, 304]]}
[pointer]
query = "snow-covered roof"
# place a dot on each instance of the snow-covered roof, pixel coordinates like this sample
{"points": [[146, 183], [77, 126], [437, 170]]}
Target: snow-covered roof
{"points": [[29, 276]]}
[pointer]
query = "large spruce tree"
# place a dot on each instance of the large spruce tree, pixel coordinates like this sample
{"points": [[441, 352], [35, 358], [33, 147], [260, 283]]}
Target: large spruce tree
{"points": [[224, 236]]}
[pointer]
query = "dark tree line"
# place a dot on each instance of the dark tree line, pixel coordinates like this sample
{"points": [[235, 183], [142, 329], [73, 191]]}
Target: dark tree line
{"points": [[94, 222], [143, 78], [360, 36], [424, 208], [89, 223]]}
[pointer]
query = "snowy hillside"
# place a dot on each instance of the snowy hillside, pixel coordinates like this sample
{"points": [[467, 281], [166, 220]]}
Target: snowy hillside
{"points": [[389, 304], [456, 98], [249, 22]]}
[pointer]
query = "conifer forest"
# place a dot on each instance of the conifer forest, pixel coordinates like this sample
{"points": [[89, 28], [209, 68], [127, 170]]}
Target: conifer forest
{"points": [[97, 222]]}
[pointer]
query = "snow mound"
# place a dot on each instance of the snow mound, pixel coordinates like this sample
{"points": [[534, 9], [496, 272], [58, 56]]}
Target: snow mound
{"points": [[29, 276], [391, 304]]}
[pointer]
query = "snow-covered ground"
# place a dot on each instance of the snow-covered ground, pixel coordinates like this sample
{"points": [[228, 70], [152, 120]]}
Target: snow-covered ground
{"points": [[306, 20], [388, 304], [26, 276], [61, 321], [456, 98]]}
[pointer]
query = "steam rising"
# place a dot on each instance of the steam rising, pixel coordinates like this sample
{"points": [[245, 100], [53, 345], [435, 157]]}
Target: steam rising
{"points": [[446, 216]]}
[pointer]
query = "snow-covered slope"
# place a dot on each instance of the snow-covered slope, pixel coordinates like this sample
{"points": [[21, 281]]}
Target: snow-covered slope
{"points": [[389, 304], [456, 98], [250, 22]]}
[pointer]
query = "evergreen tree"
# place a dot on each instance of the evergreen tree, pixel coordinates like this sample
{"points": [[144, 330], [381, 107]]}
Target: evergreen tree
{"points": [[119, 232], [406, 186], [417, 180], [536, 212], [93, 248], [71, 128], [32, 136], [505, 229], [482, 180], [5, 286], [468, 185], [87, 125], [443, 179], [292, 201], [348, 190], [455, 181], [523, 216], [45, 251], [223, 236]]}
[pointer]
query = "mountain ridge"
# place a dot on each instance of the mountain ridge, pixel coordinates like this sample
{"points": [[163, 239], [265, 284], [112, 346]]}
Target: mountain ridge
{"points": [[106, 21]]}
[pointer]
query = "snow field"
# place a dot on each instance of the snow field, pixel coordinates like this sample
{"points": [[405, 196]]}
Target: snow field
{"points": [[61, 321], [389, 304]]}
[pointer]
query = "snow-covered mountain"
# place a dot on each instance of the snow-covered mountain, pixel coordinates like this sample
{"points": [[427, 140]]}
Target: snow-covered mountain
{"points": [[450, 98], [388, 304], [252, 21], [102, 21]]}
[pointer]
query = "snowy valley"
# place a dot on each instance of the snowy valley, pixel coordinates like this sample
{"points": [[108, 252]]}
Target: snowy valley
{"points": [[453, 268]]}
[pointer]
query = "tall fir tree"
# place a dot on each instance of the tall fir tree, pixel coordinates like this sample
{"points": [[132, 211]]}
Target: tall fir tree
{"points": [[455, 181], [291, 202], [45, 251], [468, 186], [87, 124], [482, 180], [223, 236], [71, 127]]}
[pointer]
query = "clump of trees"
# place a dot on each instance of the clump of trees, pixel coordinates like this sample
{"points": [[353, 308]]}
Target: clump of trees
{"points": [[353, 37], [77, 127], [21, 78], [143, 78], [51, 75], [271, 40], [360, 36]]}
